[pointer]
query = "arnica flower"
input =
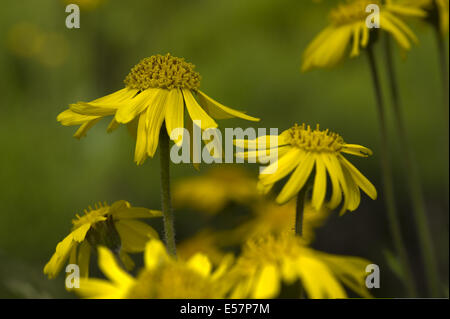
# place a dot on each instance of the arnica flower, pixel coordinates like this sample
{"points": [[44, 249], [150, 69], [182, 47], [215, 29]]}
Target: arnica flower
{"points": [[268, 263], [212, 192], [115, 226], [347, 28], [156, 90], [301, 151], [437, 11], [162, 277]]}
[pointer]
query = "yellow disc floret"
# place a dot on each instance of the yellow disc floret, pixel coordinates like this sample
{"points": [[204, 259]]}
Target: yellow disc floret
{"points": [[316, 140], [164, 72]]}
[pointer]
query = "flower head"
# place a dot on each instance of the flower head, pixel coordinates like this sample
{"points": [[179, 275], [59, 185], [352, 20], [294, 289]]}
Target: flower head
{"points": [[156, 90], [162, 277], [115, 226], [347, 27], [301, 151], [437, 11], [270, 261]]}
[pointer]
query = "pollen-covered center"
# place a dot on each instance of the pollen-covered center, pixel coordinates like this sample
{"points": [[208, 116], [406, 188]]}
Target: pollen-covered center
{"points": [[164, 72], [314, 140], [351, 11]]}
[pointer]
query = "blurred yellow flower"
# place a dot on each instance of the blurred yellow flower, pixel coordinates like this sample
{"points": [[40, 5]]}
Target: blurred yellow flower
{"points": [[162, 277], [206, 241], [156, 90], [114, 226], [437, 11], [348, 26], [300, 150], [268, 262], [271, 218], [212, 192]]}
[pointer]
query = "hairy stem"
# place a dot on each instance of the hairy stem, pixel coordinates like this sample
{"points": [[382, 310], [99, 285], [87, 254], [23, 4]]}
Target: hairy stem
{"points": [[166, 202]]}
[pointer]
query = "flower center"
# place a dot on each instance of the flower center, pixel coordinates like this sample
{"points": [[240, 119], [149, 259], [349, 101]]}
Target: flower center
{"points": [[351, 11], [315, 140], [164, 72]]}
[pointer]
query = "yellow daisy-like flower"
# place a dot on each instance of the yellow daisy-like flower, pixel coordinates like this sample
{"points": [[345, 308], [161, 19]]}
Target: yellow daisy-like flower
{"points": [[115, 226], [437, 11], [302, 150], [268, 262], [162, 277], [156, 90], [348, 27]]}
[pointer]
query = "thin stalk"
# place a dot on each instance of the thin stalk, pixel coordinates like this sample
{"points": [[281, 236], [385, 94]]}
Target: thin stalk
{"points": [[444, 81], [413, 179], [166, 202], [387, 176]]}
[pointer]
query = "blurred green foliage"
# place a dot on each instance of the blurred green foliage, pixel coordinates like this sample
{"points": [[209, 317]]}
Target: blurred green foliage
{"points": [[249, 55]]}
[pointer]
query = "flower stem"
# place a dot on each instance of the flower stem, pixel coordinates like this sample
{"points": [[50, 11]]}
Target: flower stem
{"points": [[387, 177], [413, 179], [445, 99], [166, 202]]}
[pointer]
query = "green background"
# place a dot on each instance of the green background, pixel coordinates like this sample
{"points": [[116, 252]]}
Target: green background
{"points": [[249, 55]]}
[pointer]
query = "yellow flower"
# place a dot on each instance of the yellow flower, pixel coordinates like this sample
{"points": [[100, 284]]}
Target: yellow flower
{"points": [[348, 27], [156, 91], [162, 277], [115, 226], [300, 150], [213, 191], [437, 11], [269, 262]]}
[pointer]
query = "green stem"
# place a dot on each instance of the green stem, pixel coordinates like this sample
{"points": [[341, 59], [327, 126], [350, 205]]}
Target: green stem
{"points": [[169, 229], [413, 179], [445, 99], [387, 176]]}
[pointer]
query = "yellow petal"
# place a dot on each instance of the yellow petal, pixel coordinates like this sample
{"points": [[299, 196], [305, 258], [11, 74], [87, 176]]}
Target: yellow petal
{"points": [[268, 283], [196, 112], [219, 111], [175, 113]]}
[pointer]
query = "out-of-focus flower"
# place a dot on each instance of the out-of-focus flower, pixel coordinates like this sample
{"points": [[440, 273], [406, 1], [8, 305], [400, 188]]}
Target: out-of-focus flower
{"points": [[268, 262], [207, 242], [212, 192], [271, 218], [300, 150], [437, 11], [348, 27], [162, 277], [156, 90], [28, 40], [114, 226]]}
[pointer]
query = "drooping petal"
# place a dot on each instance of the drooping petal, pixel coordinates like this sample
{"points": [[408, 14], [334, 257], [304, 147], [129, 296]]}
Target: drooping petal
{"points": [[219, 111], [196, 112], [175, 113], [297, 179]]}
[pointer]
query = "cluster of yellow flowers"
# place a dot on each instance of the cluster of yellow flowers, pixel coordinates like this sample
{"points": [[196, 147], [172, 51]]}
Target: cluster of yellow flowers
{"points": [[274, 243]]}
